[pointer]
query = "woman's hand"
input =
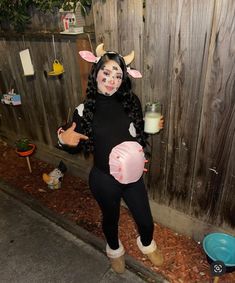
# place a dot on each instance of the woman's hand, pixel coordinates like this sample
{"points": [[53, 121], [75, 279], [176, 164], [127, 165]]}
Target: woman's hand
{"points": [[161, 123], [70, 137]]}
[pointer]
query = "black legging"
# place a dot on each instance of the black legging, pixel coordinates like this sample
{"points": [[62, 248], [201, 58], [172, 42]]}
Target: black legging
{"points": [[108, 193]]}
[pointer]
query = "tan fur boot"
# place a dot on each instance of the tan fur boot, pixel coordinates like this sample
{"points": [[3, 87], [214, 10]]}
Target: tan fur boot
{"points": [[116, 258], [118, 264], [152, 252]]}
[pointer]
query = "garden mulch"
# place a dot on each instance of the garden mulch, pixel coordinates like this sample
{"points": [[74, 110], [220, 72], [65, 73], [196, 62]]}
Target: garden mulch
{"points": [[185, 261]]}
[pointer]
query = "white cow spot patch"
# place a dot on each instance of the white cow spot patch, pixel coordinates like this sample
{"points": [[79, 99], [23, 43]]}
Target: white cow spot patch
{"points": [[80, 109], [132, 130]]}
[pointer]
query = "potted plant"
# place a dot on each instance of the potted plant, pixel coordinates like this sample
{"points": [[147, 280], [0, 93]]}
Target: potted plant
{"points": [[24, 147]]}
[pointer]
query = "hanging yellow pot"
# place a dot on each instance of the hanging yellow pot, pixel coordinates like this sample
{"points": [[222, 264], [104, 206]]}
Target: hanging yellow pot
{"points": [[58, 68]]}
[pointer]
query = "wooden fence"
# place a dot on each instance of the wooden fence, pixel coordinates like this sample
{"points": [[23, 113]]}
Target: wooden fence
{"points": [[185, 50], [186, 53], [47, 101]]}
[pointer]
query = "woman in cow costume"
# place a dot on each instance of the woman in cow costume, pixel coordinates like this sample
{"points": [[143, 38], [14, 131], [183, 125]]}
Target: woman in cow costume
{"points": [[110, 125]]}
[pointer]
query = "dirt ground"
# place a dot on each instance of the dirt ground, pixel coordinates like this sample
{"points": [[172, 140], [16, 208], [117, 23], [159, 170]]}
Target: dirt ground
{"points": [[185, 261]]}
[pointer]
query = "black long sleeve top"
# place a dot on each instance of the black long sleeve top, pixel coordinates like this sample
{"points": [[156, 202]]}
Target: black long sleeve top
{"points": [[111, 126]]}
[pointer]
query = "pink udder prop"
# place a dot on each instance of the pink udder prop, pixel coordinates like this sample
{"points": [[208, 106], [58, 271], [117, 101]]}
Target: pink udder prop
{"points": [[126, 162]]}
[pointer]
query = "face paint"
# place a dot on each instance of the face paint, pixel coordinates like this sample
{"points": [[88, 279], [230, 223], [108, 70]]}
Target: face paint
{"points": [[109, 78]]}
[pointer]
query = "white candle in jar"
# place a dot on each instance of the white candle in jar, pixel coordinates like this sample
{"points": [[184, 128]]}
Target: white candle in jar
{"points": [[151, 122]]}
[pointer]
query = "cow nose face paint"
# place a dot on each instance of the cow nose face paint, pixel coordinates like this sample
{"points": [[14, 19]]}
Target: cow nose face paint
{"points": [[109, 78]]}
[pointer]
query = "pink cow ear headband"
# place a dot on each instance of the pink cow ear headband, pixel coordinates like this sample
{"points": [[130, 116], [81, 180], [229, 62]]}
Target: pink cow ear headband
{"points": [[90, 57]]}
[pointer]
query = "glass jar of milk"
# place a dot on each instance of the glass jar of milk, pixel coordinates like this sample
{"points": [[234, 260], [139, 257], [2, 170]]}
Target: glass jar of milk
{"points": [[152, 117]]}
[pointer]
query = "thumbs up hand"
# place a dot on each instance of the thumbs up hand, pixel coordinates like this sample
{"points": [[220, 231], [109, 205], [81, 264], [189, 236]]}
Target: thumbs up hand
{"points": [[70, 137]]}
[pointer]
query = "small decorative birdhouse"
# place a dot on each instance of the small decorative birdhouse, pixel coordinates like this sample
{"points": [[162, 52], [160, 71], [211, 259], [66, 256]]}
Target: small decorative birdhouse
{"points": [[72, 20]]}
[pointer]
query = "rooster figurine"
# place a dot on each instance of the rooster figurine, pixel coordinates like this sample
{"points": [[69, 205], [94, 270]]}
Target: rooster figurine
{"points": [[54, 178]]}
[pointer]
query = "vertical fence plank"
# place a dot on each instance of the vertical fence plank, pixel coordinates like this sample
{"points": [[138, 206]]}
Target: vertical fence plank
{"points": [[105, 18], [226, 210], [84, 66], [214, 163], [158, 57], [193, 25], [130, 36], [6, 112]]}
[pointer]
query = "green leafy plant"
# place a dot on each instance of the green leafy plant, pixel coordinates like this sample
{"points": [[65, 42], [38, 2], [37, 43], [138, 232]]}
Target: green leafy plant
{"points": [[85, 7], [84, 4], [16, 13], [23, 144]]}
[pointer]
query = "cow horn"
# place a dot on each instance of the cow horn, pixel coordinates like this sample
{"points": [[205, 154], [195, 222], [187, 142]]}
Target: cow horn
{"points": [[129, 58], [100, 50]]}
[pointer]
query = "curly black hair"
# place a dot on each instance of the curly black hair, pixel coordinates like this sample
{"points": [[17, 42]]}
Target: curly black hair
{"points": [[129, 100]]}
